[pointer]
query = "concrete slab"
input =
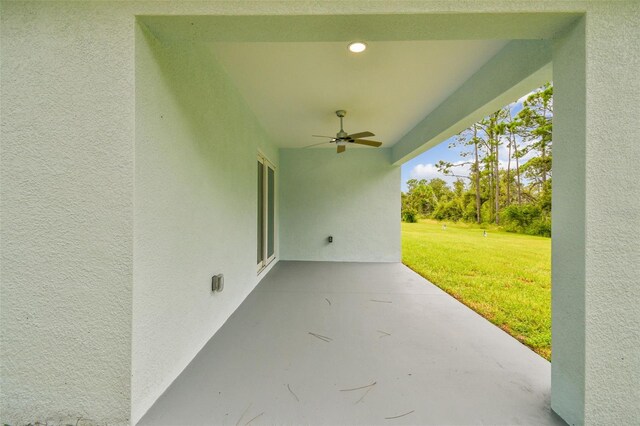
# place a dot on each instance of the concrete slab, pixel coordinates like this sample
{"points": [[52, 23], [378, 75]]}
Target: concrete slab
{"points": [[428, 355]]}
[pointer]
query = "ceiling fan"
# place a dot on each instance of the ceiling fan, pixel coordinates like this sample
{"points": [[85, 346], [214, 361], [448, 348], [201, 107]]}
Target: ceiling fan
{"points": [[342, 139]]}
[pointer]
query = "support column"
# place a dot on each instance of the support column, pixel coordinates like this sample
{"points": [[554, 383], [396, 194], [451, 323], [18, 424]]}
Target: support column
{"points": [[568, 243], [612, 220], [596, 218], [67, 89]]}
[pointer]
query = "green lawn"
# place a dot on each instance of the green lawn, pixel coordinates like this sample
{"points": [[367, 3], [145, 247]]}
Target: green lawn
{"points": [[505, 277]]}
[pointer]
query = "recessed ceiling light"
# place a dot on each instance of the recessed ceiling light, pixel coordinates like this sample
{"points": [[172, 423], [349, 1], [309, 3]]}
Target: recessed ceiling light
{"points": [[357, 46]]}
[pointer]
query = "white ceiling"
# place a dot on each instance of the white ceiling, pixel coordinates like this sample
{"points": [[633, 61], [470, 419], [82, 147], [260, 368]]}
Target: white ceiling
{"points": [[295, 88]]}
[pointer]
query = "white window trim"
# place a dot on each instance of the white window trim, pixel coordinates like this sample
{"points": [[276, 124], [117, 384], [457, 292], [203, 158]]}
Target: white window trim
{"points": [[265, 212]]}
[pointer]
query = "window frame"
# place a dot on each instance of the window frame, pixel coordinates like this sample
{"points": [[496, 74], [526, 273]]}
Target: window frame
{"points": [[265, 258]]}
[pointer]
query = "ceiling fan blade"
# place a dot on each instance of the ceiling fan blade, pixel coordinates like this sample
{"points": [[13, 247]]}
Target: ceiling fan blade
{"points": [[366, 142], [341, 148], [361, 135], [320, 136], [316, 144]]}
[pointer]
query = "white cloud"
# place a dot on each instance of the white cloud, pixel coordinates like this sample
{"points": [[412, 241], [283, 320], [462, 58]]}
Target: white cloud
{"points": [[430, 171], [424, 171], [504, 154]]}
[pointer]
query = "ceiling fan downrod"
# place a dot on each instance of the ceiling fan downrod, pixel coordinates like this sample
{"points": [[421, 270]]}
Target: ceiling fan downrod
{"points": [[341, 134]]}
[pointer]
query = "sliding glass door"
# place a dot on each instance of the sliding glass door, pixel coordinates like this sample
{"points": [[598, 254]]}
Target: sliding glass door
{"points": [[266, 213]]}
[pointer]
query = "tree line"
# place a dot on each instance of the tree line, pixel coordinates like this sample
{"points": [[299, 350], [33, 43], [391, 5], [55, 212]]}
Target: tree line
{"points": [[508, 183]]}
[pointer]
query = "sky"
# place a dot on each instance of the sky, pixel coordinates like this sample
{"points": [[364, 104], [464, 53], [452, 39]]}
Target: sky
{"points": [[424, 165]]}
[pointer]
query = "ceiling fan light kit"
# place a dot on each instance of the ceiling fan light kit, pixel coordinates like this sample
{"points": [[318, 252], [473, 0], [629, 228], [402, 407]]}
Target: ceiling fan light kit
{"points": [[342, 138]]}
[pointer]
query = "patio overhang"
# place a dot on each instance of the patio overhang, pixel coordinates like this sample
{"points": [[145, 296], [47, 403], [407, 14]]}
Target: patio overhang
{"points": [[128, 173], [382, 26], [517, 69]]}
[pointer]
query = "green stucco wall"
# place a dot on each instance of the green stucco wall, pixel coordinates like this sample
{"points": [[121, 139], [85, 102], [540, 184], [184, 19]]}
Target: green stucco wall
{"points": [[353, 196], [195, 206], [67, 128], [612, 214], [596, 255], [68, 184], [568, 242]]}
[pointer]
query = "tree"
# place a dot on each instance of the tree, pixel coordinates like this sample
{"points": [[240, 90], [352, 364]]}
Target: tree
{"points": [[519, 199], [494, 127], [422, 198], [536, 128], [512, 128], [440, 189], [468, 138]]}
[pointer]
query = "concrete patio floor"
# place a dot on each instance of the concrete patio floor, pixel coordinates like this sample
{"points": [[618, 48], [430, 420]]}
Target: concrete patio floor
{"points": [[428, 355]]}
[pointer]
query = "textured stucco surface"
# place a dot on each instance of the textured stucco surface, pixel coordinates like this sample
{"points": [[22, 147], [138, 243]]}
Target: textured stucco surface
{"points": [[195, 208], [67, 189], [612, 215], [352, 196], [568, 242], [67, 214]]}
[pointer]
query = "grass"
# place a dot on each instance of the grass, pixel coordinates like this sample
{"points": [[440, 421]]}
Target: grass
{"points": [[505, 277]]}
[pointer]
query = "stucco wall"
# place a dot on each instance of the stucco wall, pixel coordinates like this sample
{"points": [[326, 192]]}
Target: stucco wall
{"points": [[195, 208], [67, 213], [353, 196], [612, 214], [596, 255], [568, 242], [67, 189]]}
